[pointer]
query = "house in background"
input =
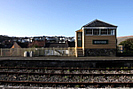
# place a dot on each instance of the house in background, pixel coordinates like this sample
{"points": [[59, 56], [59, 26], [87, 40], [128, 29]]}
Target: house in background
{"points": [[39, 38], [60, 45], [19, 45], [37, 44], [51, 40], [15, 45], [96, 38], [59, 48], [56, 45]]}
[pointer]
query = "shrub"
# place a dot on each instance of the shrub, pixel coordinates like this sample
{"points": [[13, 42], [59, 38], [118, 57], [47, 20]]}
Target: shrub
{"points": [[128, 45]]}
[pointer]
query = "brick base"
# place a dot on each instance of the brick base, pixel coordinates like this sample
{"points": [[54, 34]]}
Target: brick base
{"points": [[100, 52]]}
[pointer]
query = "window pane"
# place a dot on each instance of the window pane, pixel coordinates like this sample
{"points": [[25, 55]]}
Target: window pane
{"points": [[79, 35], [89, 31], [95, 31], [79, 39], [111, 32], [104, 32]]}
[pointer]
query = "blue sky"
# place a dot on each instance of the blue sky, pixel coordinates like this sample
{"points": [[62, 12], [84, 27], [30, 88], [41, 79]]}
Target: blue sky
{"points": [[62, 17]]}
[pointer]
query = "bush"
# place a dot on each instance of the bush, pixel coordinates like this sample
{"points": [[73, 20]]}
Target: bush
{"points": [[128, 45]]}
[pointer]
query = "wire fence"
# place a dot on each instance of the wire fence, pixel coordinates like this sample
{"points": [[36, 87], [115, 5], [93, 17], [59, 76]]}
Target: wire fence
{"points": [[70, 51]]}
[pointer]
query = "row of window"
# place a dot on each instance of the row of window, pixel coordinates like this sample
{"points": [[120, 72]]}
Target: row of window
{"points": [[100, 32]]}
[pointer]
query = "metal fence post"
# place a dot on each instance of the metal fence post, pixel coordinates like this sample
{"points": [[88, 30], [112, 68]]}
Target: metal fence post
{"points": [[53, 50], [1, 51], [68, 51]]}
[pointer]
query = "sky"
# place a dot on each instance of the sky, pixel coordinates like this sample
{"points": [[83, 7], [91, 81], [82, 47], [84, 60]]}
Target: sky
{"points": [[62, 17]]}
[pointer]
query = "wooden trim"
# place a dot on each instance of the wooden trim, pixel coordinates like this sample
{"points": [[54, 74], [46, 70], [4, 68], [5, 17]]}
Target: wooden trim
{"points": [[99, 27], [79, 30], [80, 47], [83, 42]]}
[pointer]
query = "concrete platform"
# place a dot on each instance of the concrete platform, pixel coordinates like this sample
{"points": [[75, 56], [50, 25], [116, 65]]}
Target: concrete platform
{"points": [[26, 87], [66, 58]]}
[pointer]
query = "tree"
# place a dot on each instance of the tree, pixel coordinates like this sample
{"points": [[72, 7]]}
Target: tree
{"points": [[128, 44]]}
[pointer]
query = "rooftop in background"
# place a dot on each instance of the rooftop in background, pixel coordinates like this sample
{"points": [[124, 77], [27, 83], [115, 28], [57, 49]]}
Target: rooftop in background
{"points": [[19, 45], [60, 45]]}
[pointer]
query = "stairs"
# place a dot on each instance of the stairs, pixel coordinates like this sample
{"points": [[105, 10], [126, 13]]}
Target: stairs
{"points": [[80, 52]]}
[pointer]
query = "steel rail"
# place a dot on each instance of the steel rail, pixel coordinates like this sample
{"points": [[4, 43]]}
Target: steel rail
{"points": [[66, 68], [36, 82], [31, 73]]}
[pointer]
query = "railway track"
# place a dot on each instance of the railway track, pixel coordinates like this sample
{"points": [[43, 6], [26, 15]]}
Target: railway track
{"points": [[78, 71], [68, 77]]}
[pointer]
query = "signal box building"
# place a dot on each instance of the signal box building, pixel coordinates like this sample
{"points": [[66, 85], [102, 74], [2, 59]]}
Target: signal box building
{"points": [[96, 38]]}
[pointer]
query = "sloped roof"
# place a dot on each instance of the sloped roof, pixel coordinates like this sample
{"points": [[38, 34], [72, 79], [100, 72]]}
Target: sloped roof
{"points": [[19, 45], [98, 23], [37, 43], [15, 45], [71, 44], [62, 45], [23, 45]]}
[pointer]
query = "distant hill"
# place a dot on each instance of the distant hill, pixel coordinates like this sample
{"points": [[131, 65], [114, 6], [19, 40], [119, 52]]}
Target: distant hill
{"points": [[122, 38]]}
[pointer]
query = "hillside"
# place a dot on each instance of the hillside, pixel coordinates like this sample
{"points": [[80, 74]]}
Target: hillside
{"points": [[122, 38]]}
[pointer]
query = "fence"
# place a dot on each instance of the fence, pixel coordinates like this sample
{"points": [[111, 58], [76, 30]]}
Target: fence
{"points": [[70, 51]]}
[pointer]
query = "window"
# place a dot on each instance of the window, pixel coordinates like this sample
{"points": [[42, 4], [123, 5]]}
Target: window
{"points": [[100, 31], [111, 32], [95, 31], [89, 31], [79, 35], [79, 39], [103, 31]]}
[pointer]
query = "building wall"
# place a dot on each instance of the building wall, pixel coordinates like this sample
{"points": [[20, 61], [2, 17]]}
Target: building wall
{"points": [[100, 52], [99, 49], [88, 42], [90, 49]]}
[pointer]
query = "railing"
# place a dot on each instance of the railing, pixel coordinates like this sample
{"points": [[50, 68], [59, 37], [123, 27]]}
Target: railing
{"points": [[70, 51]]}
